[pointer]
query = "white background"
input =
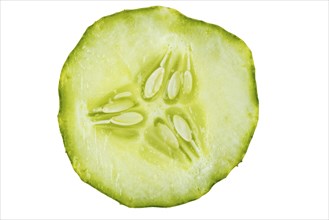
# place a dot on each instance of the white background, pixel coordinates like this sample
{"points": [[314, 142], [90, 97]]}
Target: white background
{"points": [[285, 171]]}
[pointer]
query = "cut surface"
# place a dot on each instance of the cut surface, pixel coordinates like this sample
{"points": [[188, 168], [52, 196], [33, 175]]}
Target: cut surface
{"points": [[156, 107]]}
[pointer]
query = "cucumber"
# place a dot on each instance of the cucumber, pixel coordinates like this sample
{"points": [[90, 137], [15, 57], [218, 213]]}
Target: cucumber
{"points": [[156, 107]]}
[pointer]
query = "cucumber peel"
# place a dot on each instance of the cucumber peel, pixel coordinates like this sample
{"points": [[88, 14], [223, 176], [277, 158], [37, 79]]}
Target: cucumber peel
{"points": [[156, 107]]}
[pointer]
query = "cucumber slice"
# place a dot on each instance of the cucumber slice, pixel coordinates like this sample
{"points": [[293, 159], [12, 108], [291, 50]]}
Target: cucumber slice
{"points": [[156, 107]]}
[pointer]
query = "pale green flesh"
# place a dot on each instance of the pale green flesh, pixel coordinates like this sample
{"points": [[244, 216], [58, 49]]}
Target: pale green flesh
{"points": [[156, 107]]}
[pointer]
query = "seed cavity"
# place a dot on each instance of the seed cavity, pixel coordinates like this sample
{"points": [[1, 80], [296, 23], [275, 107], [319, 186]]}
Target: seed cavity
{"points": [[182, 128], [171, 132], [127, 119], [167, 135], [122, 95], [187, 84], [154, 82], [118, 106], [173, 85]]}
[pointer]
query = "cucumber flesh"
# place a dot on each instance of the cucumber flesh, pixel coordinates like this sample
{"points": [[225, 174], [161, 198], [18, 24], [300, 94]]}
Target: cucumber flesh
{"points": [[156, 107]]}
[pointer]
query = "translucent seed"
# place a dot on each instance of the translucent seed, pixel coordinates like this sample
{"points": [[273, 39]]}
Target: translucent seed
{"points": [[195, 147], [127, 119], [168, 136], [154, 82], [173, 86], [118, 106], [164, 60], [187, 84], [98, 109], [188, 62], [182, 128], [102, 122], [122, 95]]}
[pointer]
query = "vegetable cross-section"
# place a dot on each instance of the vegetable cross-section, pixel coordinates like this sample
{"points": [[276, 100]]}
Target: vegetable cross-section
{"points": [[156, 107]]}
